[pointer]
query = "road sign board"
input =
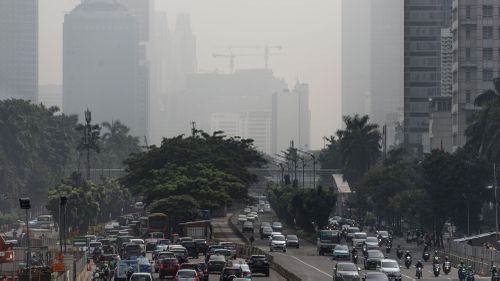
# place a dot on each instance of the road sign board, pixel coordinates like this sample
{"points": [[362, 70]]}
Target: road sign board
{"points": [[58, 267], [80, 241], [60, 257]]}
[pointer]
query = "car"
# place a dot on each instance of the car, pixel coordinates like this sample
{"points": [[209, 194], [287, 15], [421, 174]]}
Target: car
{"points": [[202, 245], [184, 239], [292, 241], [373, 258], [371, 243], [195, 266], [341, 252], [358, 239], [230, 272], [346, 271], [159, 249], [181, 254], [216, 263], [160, 256], [350, 232], [278, 242], [131, 251], [141, 276], [204, 268], [258, 264], [168, 267], [267, 208], [191, 248], [265, 232], [391, 269], [272, 235], [260, 211], [383, 235], [250, 217], [163, 241], [225, 252], [375, 276], [247, 227], [246, 210], [265, 223], [242, 219], [277, 226], [150, 246], [186, 275], [229, 246], [247, 273]]}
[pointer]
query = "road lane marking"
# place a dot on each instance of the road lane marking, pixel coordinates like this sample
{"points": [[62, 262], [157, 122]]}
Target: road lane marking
{"points": [[311, 266]]}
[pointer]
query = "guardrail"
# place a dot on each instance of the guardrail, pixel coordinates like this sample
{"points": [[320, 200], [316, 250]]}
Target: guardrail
{"points": [[246, 251], [479, 258]]}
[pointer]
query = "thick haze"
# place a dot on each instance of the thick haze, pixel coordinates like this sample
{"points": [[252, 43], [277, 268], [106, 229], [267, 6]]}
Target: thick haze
{"points": [[308, 31]]}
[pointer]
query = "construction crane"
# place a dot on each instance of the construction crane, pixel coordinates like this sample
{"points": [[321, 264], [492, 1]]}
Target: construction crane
{"points": [[266, 49], [231, 56]]}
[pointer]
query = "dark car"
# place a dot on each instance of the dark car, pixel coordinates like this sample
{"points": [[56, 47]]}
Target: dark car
{"points": [[204, 268], [216, 263], [292, 241], [265, 232], [202, 245], [191, 248], [375, 276], [228, 273], [259, 264], [168, 268], [373, 259], [181, 254], [277, 226], [184, 239], [150, 246]]}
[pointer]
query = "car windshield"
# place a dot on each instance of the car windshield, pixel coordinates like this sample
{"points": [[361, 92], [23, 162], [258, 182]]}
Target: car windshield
{"points": [[279, 238], [376, 276], [218, 258], [267, 229], [353, 229], [383, 233], [140, 278], [341, 248], [372, 239], [277, 224], [360, 236], [292, 237], [186, 273], [389, 264], [346, 267], [375, 254]]}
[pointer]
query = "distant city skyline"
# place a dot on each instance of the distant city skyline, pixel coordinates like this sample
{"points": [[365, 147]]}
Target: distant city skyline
{"points": [[309, 33]]}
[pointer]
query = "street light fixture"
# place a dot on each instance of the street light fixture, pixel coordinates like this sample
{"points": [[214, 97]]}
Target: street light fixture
{"points": [[25, 204]]}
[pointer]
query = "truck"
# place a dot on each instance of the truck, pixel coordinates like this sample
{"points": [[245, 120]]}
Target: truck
{"points": [[141, 264], [327, 239]]}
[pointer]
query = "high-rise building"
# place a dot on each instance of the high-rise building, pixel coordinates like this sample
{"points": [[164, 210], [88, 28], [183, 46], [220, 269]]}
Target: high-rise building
{"points": [[356, 92], [184, 51], [423, 22], [142, 10], [476, 58], [291, 119], [50, 95], [446, 61], [440, 136], [19, 49], [386, 68], [103, 68]]}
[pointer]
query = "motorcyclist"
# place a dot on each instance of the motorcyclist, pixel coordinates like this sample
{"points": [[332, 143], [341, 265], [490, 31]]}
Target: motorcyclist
{"points": [[407, 254], [418, 266], [130, 271], [494, 273], [354, 253], [435, 258]]}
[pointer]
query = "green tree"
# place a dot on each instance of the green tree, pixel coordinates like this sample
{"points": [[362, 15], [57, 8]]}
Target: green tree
{"points": [[359, 147], [484, 131], [117, 145], [180, 208]]}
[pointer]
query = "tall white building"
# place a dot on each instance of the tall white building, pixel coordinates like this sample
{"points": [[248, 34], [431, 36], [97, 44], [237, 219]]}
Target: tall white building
{"points": [[103, 65], [50, 95], [19, 49]]}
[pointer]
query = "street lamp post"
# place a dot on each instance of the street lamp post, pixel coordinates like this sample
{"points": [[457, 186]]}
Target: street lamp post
{"points": [[496, 200], [89, 139], [314, 165], [25, 204]]}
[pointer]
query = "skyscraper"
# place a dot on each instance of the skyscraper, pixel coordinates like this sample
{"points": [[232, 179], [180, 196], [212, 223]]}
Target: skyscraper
{"points": [[423, 22], [19, 49], [476, 59], [446, 61], [356, 93], [386, 68], [103, 68]]}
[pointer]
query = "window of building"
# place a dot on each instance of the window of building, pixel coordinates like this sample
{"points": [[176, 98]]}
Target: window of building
{"points": [[487, 11], [487, 54], [467, 54], [468, 11], [487, 32], [487, 75], [467, 33], [467, 96]]}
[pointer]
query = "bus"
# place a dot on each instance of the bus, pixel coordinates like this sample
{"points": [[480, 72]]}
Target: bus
{"points": [[158, 222]]}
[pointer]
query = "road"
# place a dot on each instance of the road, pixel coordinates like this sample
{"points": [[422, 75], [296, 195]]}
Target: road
{"points": [[309, 266]]}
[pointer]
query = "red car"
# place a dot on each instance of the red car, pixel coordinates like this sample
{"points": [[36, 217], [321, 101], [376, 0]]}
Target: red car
{"points": [[169, 268]]}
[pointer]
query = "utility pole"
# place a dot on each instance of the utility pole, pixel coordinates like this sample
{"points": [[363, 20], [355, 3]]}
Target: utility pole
{"points": [[384, 141], [314, 165], [193, 128], [496, 200], [89, 139]]}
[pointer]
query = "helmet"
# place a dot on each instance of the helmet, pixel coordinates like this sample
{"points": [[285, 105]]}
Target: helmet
{"points": [[494, 266], [470, 267], [419, 261], [407, 251], [436, 252]]}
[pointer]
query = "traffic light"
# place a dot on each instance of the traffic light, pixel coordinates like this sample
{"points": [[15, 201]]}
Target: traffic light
{"points": [[25, 203]]}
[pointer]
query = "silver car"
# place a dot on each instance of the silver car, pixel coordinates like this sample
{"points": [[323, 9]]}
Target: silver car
{"points": [[346, 271], [186, 275]]}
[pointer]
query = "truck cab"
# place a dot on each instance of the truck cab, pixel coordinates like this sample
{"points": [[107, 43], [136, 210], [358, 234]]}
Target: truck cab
{"points": [[327, 239]]}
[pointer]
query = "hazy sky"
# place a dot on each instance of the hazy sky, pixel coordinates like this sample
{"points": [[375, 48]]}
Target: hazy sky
{"points": [[308, 31]]}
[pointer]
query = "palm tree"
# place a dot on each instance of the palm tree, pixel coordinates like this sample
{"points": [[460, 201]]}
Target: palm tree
{"points": [[118, 144], [359, 146], [484, 132]]}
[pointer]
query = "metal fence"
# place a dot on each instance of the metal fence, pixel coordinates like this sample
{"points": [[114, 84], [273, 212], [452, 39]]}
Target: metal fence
{"points": [[480, 258]]}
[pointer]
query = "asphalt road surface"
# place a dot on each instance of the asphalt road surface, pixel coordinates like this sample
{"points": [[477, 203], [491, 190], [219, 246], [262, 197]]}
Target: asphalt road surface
{"points": [[309, 266]]}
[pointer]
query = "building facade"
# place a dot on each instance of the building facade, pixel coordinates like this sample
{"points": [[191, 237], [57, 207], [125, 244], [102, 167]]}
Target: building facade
{"points": [[440, 133], [103, 69], [423, 22], [19, 49], [446, 61], [476, 58]]}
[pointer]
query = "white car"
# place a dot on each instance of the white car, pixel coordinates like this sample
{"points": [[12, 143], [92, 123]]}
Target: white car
{"points": [[272, 235], [391, 269], [141, 276], [358, 239], [242, 219], [278, 242], [140, 242]]}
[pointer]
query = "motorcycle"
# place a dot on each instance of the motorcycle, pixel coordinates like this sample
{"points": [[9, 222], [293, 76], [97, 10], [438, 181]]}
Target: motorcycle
{"points": [[462, 274], [446, 267], [494, 276], [436, 269], [426, 256], [470, 275], [365, 251], [408, 262], [419, 272], [97, 275], [388, 248], [399, 253]]}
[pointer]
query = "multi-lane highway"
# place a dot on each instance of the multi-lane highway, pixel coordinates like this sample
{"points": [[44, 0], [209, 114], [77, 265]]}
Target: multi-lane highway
{"points": [[309, 266]]}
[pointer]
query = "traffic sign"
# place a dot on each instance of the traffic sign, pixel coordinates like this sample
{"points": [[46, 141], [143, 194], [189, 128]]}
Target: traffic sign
{"points": [[80, 241], [58, 267], [60, 257]]}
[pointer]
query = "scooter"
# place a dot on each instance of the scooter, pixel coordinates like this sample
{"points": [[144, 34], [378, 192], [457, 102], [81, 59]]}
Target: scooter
{"points": [[446, 267], [388, 248], [426, 256], [399, 254], [408, 262], [436, 269], [470, 275], [355, 259], [419, 272]]}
